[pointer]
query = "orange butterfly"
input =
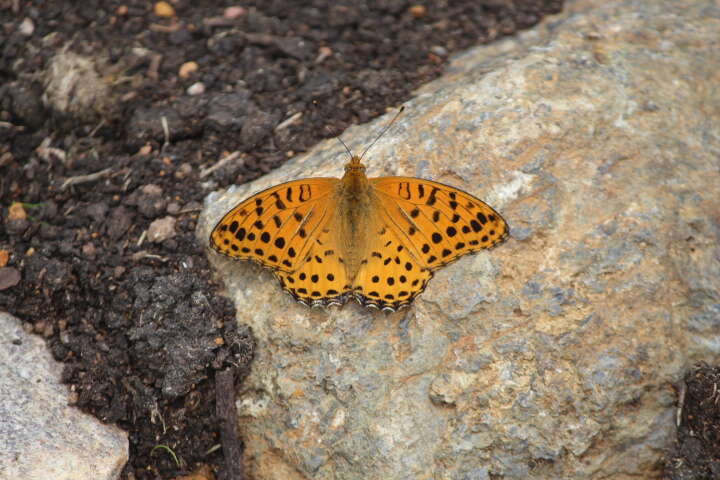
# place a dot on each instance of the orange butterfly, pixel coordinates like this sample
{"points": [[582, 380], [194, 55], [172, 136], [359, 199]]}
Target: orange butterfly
{"points": [[377, 240]]}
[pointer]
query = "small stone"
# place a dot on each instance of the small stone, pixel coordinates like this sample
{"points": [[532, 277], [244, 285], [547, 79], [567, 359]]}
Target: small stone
{"points": [[89, 250], [417, 11], [183, 171], [161, 229], [145, 150], [16, 212], [9, 277], [122, 10], [27, 27], [187, 69], [197, 88], [6, 158], [323, 53], [16, 227], [4, 258], [173, 208], [439, 50], [151, 189], [233, 12], [49, 330], [164, 9]]}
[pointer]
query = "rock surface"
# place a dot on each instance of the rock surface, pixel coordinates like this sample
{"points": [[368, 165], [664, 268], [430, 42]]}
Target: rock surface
{"points": [[41, 436], [554, 355]]}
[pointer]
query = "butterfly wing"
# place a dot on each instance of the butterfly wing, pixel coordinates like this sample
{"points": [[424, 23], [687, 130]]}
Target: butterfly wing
{"points": [[436, 222], [321, 277], [390, 275]]}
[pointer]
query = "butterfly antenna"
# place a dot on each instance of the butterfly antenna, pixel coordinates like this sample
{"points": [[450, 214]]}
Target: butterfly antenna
{"points": [[383, 131], [346, 147]]}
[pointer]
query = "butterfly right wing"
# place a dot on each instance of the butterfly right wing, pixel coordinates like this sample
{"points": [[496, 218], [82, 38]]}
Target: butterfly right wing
{"points": [[278, 226], [390, 275]]}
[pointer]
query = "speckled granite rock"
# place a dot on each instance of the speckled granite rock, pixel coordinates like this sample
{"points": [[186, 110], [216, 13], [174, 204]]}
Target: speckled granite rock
{"points": [[41, 436], [554, 355]]}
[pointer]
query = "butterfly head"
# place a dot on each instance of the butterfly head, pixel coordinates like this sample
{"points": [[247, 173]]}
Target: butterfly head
{"points": [[354, 166]]}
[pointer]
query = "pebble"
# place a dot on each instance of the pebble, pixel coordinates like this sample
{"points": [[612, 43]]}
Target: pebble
{"points": [[161, 229], [439, 50], [27, 27], [173, 208], [145, 150], [151, 189], [164, 9], [197, 88], [234, 12], [183, 171], [89, 250], [417, 11], [4, 258], [9, 277], [187, 69], [16, 212]]}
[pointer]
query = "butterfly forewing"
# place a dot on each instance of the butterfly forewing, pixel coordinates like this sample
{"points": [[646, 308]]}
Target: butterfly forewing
{"points": [[277, 226], [438, 223]]}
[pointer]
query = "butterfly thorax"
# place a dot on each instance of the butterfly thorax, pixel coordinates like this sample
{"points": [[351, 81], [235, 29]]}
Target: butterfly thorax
{"points": [[355, 200]]}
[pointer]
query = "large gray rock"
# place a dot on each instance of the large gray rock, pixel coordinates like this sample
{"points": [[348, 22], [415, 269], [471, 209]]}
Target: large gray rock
{"points": [[41, 436], [553, 355]]}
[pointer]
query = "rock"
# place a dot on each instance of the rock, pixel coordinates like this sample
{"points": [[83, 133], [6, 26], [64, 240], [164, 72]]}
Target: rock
{"points": [[26, 102], [150, 201], [9, 277], [16, 211], [553, 355], [41, 435], [295, 47], [255, 131], [229, 111], [164, 9], [187, 69], [147, 124], [27, 27], [74, 87], [119, 222], [197, 88], [161, 229]]}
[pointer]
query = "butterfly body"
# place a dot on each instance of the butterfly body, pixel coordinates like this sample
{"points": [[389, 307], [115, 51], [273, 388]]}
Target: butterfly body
{"points": [[377, 240]]}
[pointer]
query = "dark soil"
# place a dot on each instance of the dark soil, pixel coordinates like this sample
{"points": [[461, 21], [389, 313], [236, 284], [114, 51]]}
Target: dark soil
{"points": [[94, 87], [697, 453]]}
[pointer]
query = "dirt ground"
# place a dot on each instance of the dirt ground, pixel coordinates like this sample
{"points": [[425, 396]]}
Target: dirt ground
{"points": [[113, 118]]}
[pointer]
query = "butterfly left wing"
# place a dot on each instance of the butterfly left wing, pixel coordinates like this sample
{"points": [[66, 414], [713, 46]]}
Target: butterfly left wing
{"points": [[390, 275], [320, 278], [437, 222]]}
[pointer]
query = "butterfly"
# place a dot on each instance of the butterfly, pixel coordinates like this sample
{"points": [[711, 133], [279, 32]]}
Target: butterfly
{"points": [[377, 240]]}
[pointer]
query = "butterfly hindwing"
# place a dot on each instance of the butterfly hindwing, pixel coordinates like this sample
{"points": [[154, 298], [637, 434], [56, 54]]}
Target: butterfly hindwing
{"points": [[438, 223], [390, 276], [320, 278], [276, 227]]}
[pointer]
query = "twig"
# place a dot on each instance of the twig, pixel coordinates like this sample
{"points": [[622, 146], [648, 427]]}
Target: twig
{"points": [[681, 403], [189, 210], [289, 121], [85, 178], [223, 161], [227, 414], [166, 131]]}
